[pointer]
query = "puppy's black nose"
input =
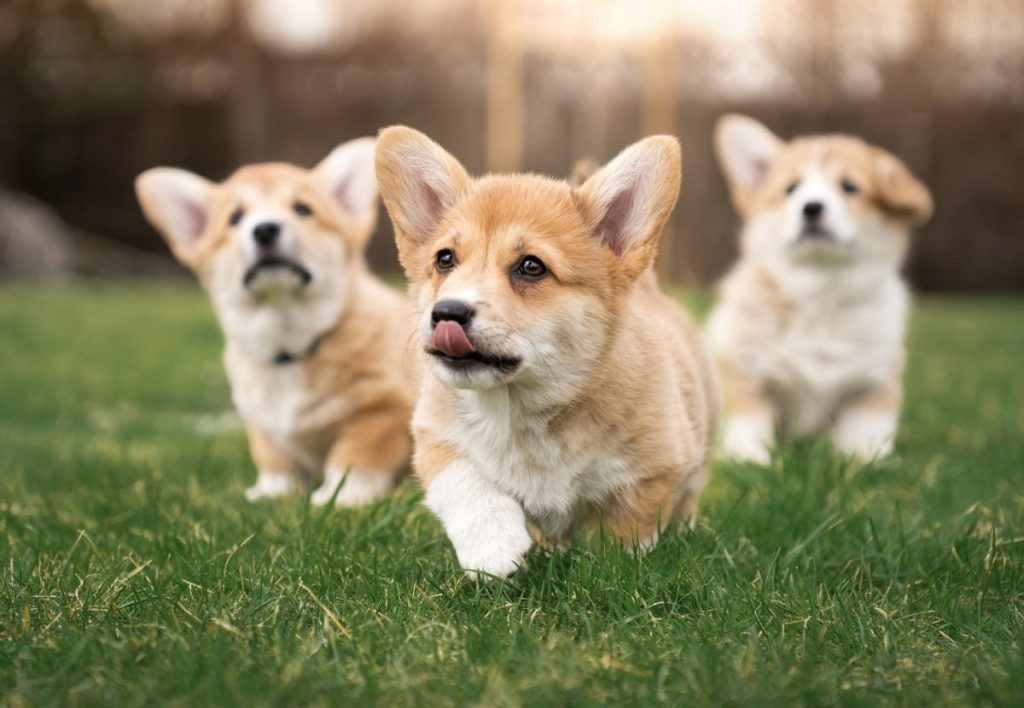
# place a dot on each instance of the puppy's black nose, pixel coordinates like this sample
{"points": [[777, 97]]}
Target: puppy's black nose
{"points": [[813, 210], [266, 233], [454, 310]]}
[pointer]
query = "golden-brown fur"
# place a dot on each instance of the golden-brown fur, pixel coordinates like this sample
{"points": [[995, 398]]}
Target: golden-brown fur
{"points": [[809, 326], [343, 400], [886, 183], [610, 417]]}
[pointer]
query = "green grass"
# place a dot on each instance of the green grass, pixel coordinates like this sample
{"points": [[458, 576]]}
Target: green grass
{"points": [[134, 573]]}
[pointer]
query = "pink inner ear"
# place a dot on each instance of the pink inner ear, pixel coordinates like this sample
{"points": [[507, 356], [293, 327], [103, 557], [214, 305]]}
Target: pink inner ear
{"points": [[611, 228], [759, 169], [343, 196], [194, 217], [430, 209], [353, 194]]}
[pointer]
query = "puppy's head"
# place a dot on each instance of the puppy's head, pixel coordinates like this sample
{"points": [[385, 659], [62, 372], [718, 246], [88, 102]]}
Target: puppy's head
{"points": [[270, 230], [824, 199], [518, 277]]}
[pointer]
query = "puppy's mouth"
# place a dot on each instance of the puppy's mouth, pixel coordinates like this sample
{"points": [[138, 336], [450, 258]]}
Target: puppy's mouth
{"points": [[276, 263], [476, 360], [813, 232], [452, 346]]}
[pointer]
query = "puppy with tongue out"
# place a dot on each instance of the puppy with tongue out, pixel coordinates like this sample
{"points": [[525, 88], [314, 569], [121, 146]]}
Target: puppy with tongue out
{"points": [[562, 389], [450, 340]]}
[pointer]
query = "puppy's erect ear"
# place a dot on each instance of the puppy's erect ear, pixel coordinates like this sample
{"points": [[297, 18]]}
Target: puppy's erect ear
{"points": [[177, 203], [746, 151], [627, 202], [349, 176], [898, 191], [418, 181]]}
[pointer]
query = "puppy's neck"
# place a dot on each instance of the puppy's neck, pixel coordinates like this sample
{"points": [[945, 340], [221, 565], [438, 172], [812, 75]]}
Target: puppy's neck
{"points": [[511, 404], [261, 329], [809, 285]]}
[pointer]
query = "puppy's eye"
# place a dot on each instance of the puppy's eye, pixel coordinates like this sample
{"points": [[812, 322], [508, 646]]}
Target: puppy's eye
{"points": [[531, 268], [792, 187], [236, 216], [301, 208], [445, 260], [849, 187]]}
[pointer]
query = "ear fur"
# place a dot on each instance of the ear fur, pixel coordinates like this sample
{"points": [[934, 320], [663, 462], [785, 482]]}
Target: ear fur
{"points": [[746, 150], [628, 201], [418, 182], [349, 176], [177, 203], [898, 191]]}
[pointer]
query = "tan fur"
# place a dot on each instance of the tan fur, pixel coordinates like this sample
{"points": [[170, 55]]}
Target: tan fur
{"points": [[641, 393], [887, 183], [810, 340], [353, 396]]}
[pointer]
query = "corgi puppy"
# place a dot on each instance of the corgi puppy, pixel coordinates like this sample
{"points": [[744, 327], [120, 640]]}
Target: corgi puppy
{"points": [[562, 386], [809, 326], [316, 346]]}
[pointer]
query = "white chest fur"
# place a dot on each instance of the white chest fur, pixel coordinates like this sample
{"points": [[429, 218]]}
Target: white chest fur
{"points": [[837, 334], [279, 401], [833, 345], [261, 328], [549, 474], [278, 398]]}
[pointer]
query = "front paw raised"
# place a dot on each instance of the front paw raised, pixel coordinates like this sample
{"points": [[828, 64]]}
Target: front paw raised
{"points": [[486, 525]]}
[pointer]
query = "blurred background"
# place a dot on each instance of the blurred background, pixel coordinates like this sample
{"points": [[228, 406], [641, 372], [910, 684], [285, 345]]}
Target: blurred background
{"points": [[92, 92]]}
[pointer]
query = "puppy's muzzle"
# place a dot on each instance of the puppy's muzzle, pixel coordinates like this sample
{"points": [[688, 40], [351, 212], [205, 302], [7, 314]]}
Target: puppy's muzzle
{"points": [[449, 319], [813, 211], [451, 343], [814, 216], [452, 311], [266, 234]]}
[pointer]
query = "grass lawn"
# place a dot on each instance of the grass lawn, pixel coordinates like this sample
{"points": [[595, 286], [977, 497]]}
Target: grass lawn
{"points": [[132, 572]]}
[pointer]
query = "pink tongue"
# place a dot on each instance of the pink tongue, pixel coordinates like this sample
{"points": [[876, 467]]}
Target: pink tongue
{"points": [[450, 339]]}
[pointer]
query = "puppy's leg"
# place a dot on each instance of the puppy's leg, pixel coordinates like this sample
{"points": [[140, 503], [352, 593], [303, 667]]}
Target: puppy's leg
{"points": [[276, 470], [486, 526], [636, 516], [866, 426], [750, 421], [369, 456], [686, 507]]}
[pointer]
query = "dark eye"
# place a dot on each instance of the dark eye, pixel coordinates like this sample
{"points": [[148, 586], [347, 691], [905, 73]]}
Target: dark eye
{"points": [[531, 268], [792, 187], [849, 187], [301, 208], [445, 260], [236, 216]]}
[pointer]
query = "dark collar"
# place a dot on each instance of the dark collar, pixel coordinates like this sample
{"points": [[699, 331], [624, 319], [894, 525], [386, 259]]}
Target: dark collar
{"points": [[283, 357]]}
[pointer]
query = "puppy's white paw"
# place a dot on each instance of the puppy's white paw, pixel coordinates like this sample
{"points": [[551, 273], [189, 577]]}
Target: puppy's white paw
{"points": [[496, 551], [360, 487], [270, 485], [866, 436], [486, 526], [748, 438]]}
